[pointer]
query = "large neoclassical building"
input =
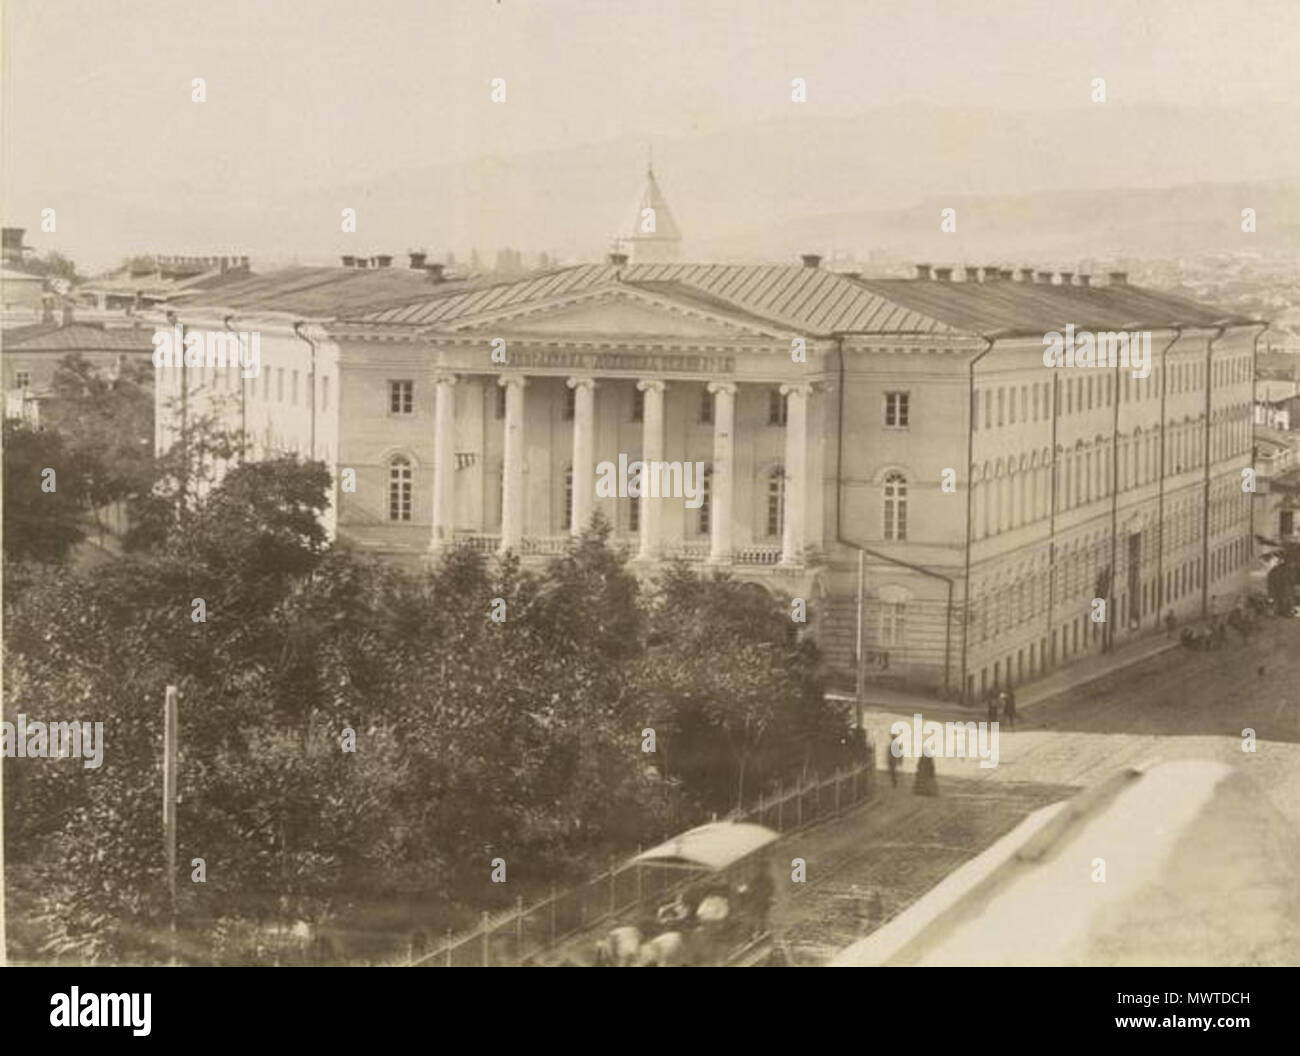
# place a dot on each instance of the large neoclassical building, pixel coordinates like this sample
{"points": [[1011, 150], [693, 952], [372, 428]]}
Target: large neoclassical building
{"points": [[898, 441]]}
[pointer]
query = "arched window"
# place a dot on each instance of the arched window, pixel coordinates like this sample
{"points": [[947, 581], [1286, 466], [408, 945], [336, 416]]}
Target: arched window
{"points": [[776, 502], [896, 507], [399, 488]]}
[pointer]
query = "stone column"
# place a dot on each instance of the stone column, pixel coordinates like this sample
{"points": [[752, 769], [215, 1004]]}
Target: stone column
{"points": [[796, 472], [512, 484], [444, 462], [815, 489], [584, 472], [652, 450], [724, 471]]}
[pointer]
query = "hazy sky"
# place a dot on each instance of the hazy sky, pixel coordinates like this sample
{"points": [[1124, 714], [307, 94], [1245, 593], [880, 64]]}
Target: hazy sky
{"points": [[314, 93]]}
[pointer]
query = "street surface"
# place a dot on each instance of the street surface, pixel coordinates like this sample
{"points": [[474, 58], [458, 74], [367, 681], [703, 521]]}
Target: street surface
{"points": [[871, 863]]}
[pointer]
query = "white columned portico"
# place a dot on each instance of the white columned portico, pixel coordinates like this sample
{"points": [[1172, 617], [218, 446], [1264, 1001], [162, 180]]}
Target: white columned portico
{"points": [[796, 472], [444, 461], [512, 482], [584, 471], [652, 450], [722, 482]]}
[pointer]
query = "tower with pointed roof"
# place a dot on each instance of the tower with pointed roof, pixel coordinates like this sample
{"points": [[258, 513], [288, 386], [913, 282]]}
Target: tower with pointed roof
{"points": [[655, 236]]}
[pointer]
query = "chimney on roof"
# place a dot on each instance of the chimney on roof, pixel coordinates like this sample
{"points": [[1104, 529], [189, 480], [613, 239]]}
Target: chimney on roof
{"points": [[811, 260], [618, 259], [851, 274], [1118, 278], [1044, 277], [1026, 274], [943, 274], [435, 271], [1085, 280], [923, 271], [417, 259], [1006, 273], [349, 261], [1067, 278], [382, 260], [972, 274]]}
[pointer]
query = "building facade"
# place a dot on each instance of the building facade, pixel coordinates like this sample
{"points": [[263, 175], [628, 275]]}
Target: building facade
{"points": [[895, 452]]}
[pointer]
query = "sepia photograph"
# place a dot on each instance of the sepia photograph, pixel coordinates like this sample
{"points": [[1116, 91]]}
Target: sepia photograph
{"points": [[651, 483]]}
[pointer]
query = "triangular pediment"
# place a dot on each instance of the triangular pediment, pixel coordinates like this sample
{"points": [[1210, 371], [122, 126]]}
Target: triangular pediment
{"points": [[623, 311]]}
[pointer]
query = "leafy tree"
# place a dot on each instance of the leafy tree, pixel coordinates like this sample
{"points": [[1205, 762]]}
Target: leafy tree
{"points": [[44, 514]]}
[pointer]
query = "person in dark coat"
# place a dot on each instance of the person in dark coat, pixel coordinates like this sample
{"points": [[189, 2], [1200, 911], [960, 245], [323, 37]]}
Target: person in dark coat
{"points": [[893, 762], [993, 705], [926, 783], [1009, 708]]}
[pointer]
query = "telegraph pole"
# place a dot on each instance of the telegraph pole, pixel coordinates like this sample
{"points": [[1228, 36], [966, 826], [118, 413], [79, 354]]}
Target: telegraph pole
{"points": [[171, 736]]}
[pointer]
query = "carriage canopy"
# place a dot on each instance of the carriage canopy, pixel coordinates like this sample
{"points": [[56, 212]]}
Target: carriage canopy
{"points": [[713, 846]]}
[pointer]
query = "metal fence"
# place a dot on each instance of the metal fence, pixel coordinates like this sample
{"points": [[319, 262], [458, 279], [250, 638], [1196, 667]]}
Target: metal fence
{"points": [[521, 934]]}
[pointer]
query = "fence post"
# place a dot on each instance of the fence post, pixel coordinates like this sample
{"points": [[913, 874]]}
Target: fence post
{"points": [[613, 887], [448, 948], [780, 804], [837, 790], [552, 914], [519, 927], [487, 942]]}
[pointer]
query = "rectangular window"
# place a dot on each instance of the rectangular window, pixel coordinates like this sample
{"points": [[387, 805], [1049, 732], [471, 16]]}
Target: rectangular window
{"points": [[896, 410], [501, 401], [634, 515], [570, 407], [1002, 400], [1024, 403], [279, 384], [988, 408], [1011, 410], [293, 390], [23, 378], [638, 405], [401, 397], [775, 407], [706, 407]]}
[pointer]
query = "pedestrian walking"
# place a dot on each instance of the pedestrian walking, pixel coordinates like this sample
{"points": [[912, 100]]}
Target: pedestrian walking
{"points": [[1009, 708], [993, 706], [892, 761]]}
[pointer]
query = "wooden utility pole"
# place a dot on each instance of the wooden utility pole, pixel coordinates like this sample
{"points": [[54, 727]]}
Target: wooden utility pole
{"points": [[171, 737]]}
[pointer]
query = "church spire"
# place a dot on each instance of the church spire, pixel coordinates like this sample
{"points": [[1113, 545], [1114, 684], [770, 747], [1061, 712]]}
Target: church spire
{"points": [[655, 235]]}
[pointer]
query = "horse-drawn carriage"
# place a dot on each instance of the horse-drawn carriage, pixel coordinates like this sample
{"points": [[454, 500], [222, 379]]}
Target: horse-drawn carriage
{"points": [[719, 906]]}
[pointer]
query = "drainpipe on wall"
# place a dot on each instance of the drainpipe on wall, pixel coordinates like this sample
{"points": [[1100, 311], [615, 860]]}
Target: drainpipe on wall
{"points": [[1209, 464], [973, 411], [298, 332], [1160, 504], [184, 429], [1254, 355], [243, 396]]}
